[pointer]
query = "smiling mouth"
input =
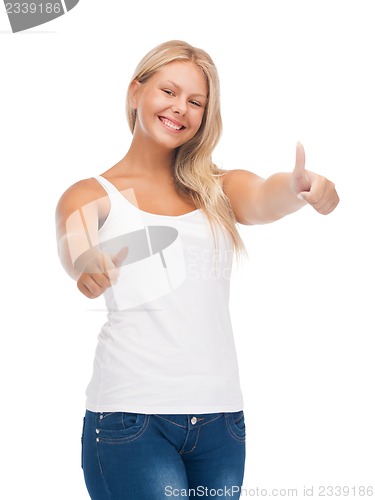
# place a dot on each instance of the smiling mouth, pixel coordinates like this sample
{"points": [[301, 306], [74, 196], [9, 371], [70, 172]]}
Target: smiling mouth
{"points": [[171, 125]]}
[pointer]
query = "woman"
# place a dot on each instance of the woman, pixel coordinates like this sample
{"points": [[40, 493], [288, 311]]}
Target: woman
{"points": [[155, 234]]}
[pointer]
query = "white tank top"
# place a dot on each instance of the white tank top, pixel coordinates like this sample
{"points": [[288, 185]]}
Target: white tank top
{"points": [[167, 346]]}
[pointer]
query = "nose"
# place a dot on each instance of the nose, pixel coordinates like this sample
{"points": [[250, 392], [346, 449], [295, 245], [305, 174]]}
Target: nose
{"points": [[179, 107]]}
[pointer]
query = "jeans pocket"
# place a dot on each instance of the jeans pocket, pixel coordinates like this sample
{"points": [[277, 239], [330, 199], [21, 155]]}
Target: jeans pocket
{"points": [[236, 425], [83, 430], [118, 420], [120, 427]]}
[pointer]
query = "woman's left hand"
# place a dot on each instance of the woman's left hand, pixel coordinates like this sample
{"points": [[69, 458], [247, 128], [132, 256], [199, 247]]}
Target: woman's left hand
{"points": [[315, 189]]}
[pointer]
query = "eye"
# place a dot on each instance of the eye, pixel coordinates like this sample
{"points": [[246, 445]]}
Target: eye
{"points": [[196, 103], [167, 91]]}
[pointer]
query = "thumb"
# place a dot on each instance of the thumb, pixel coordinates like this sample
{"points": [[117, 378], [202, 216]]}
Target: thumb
{"points": [[115, 263], [300, 158], [301, 181], [120, 256]]}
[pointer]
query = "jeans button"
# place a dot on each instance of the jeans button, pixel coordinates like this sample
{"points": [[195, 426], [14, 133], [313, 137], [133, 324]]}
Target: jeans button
{"points": [[194, 420]]}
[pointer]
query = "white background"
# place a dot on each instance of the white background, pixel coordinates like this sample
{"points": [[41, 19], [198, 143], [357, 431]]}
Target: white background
{"points": [[302, 306]]}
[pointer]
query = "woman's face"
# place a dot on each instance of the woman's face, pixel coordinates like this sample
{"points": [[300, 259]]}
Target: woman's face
{"points": [[170, 104]]}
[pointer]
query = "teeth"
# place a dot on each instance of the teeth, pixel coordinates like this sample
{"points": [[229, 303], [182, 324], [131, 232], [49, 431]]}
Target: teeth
{"points": [[170, 124]]}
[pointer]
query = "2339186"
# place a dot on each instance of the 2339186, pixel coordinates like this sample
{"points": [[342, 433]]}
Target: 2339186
{"points": [[352, 491], [33, 8]]}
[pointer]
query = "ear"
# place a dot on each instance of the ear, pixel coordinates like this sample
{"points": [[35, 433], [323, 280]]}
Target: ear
{"points": [[134, 93]]}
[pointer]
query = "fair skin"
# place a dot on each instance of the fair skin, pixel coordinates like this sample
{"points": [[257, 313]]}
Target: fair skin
{"points": [[170, 107]]}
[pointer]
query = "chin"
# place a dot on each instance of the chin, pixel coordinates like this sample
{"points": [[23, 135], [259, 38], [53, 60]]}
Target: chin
{"points": [[172, 142]]}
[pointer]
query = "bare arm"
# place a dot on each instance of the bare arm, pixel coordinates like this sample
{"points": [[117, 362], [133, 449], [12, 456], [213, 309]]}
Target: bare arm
{"points": [[259, 201], [77, 216], [76, 225]]}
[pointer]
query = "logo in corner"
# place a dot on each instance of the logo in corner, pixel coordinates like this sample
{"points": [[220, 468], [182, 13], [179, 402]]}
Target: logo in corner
{"points": [[26, 15]]}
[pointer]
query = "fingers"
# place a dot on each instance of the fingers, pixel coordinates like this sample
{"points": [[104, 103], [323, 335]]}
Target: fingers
{"points": [[322, 196], [93, 285], [327, 206], [102, 273], [315, 189]]}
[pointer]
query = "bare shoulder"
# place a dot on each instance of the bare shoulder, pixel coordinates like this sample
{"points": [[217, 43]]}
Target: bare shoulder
{"points": [[233, 178], [77, 195], [240, 187]]}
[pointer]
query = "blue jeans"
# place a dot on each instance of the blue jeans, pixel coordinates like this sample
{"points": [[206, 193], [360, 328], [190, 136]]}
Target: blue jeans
{"points": [[135, 456]]}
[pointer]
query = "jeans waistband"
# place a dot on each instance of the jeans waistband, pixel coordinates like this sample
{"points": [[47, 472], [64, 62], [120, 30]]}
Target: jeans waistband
{"points": [[190, 421], [187, 421]]}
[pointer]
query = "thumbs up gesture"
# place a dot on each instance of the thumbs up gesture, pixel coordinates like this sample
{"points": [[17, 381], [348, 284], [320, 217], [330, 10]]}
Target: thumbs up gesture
{"points": [[100, 271], [315, 189]]}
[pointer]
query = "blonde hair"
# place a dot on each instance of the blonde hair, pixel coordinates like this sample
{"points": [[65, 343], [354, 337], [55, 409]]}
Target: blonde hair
{"points": [[195, 175]]}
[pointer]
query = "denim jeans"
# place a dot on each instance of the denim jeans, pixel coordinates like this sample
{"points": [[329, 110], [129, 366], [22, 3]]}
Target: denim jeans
{"points": [[136, 456]]}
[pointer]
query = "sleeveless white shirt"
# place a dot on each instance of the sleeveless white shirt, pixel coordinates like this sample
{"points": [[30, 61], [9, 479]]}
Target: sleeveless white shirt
{"points": [[167, 346]]}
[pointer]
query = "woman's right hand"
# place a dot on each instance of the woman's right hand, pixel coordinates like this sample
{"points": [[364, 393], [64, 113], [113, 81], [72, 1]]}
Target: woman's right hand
{"points": [[100, 272]]}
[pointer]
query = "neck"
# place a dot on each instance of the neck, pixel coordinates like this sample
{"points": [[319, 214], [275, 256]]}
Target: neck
{"points": [[150, 161]]}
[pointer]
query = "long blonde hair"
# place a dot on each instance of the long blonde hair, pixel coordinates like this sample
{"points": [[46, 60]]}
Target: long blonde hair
{"points": [[195, 175]]}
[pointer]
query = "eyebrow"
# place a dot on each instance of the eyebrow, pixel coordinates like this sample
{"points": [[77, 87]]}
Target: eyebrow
{"points": [[179, 88]]}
